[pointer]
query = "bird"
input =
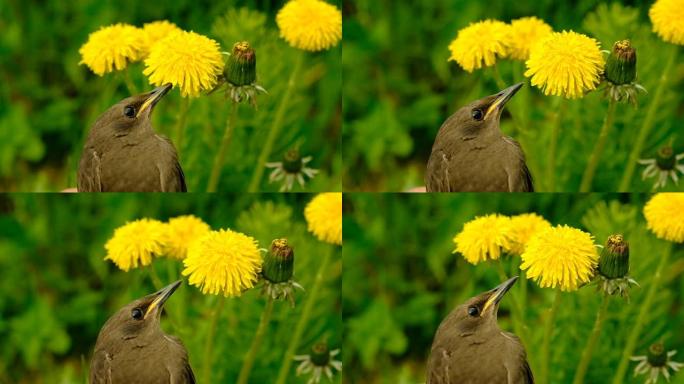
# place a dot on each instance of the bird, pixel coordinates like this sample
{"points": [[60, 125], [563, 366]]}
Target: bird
{"points": [[124, 154], [132, 348], [471, 154], [469, 347]]}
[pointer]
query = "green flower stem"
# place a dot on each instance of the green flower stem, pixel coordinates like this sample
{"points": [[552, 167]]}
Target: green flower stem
{"points": [[595, 156], [303, 319], [647, 125], [498, 78], [156, 281], [209, 346], [179, 316], [638, 325], [583, 365], [180, 122], [501, 84], [516, 311], [247, 365], [221, 154], [522, 290], [546, 342], [171, 271], [553, 144], [276, 126], [132, 90]]}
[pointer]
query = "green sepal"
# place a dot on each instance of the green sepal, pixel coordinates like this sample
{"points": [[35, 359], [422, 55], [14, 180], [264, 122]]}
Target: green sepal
{"points": [[279, 262]]}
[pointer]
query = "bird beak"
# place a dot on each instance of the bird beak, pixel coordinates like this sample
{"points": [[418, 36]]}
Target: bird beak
{"points": [[502, 98], [161, 296], [499, 292], [154, 97]]}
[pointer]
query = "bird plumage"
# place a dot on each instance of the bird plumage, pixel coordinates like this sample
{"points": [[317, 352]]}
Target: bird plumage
{"points": [[471, 349], [136, 351], [124, 154], [470, 153]]}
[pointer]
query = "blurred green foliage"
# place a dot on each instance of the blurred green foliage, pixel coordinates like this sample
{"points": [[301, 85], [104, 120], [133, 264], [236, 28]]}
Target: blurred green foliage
{"points": [[401, 279], [399, 88], [48, 101], [57, 290]]}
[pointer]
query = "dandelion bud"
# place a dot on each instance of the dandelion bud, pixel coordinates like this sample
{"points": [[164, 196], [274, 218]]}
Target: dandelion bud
{"points": [[657, 356], [279, 262], [614, 260], [621, 63], [320, 354], [666, 159], [241, 67], [292, 161]]}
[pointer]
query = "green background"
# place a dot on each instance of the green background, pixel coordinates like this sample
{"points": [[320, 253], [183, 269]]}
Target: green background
{"points": [[399, 88], [57, 290], [401, 279], [48, 101]]}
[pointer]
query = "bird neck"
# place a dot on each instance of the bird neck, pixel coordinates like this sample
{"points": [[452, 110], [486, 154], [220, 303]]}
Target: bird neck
{"points": [[488, 134]]}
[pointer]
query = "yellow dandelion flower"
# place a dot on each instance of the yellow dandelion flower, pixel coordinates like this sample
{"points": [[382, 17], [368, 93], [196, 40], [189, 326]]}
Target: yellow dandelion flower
{"points": [[311, 25], [323, 216], [484, 238], [523, 227], [667, 17], [560, 256], [155, 32], [665, 216], [112, 48], [187, 60], [136, 242], [223, 262], [183, 232], [525, 33], [566, 64], [479, 44]]}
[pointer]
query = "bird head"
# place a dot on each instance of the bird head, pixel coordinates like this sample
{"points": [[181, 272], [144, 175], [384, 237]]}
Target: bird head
{"points": [[476, 117], [478, 314], [139, 317], [132, 112]]}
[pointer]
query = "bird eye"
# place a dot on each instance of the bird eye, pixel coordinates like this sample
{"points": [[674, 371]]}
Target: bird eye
{"points": [[129, 111], [477, 114], [137, 313], [473, 311]]}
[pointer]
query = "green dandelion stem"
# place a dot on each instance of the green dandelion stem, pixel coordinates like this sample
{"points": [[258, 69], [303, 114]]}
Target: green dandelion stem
{"points": [[132, 90], [221, 154], [546, 342], [209, 346], [583, 365], [553, 144], [516, 311], [276, 127], [171, 271], [247, 365], [303, 319], [595, 156], [501, 84], [522, 290], [638, 325], [156, 281], [180, 122], [647, 125], [498, 78]]}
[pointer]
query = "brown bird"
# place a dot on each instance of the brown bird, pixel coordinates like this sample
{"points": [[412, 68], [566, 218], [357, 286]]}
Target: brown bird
{"points": [[124, 154], [469, 347], [471, 153], [132, 348]]}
